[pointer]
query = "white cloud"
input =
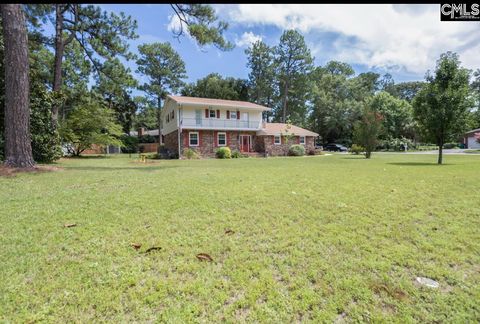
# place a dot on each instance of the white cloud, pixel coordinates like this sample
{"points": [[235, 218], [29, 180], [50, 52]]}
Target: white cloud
{"points": [[247, 39], [407, 37]]}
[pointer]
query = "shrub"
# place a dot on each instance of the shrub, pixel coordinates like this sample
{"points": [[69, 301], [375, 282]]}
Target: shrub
{"points": [[130, 144], [450, 145], [356, 149], [223, 153], [146, 139], [396, 144], [296, 150], [237, 154], [189, 154]]}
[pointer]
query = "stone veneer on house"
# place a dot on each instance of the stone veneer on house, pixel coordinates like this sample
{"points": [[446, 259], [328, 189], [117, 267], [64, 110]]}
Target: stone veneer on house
{"points": [[208, 142]]}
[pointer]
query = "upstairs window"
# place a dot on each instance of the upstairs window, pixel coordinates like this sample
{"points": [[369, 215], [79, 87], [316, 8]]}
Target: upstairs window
{"points": [[212, 113], [172, 115], [233, 115]]}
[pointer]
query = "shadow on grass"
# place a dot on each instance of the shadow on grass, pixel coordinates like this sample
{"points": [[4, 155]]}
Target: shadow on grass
{"points": [[113, 168], [417, 163], [354, 158], [86, 157]]}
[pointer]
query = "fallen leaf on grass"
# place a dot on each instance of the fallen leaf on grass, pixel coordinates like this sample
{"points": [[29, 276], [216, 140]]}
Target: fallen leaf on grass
{"points": [[153, 248], [70, 225], [204, 257], [136, 246], [229, 232]]}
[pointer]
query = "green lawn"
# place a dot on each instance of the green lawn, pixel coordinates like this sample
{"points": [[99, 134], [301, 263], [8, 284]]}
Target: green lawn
{"points": [[316, 239]]}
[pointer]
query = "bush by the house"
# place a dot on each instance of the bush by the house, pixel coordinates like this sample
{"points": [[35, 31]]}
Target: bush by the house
{"points": [[237, 154], [147, 139], [130, 144], [296, 150], [356, 149], [223, 153], [190, 154]]}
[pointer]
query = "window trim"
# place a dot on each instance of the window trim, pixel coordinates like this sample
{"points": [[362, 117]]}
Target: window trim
{"points": [[190, 139], [218, 139], [210, 113], [304, 140], [274, 139]]}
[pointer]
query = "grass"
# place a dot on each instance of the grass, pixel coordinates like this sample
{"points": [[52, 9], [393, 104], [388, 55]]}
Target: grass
{"points": [[316, 239]]}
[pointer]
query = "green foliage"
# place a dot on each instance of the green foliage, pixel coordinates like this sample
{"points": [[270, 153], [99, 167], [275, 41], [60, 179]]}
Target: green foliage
{"points": [[294, 64], [147, 139], [44, 135], [450, 145], [89, 123], [223, 153], [216, 87], [356, 149], [199, 21], [442, 107], [367, 130], [130, 143], [236, 154], [190, 153], [296, 150], [396, 144]]}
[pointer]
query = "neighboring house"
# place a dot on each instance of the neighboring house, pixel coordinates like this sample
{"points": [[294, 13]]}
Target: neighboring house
{"points": [[146, 147], [470, 140], [206, 124]]}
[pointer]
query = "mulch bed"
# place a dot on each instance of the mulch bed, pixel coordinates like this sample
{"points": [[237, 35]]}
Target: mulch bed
{"points": [[10, 172]]}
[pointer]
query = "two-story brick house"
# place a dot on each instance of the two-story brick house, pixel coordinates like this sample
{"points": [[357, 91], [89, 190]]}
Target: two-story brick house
{"points": [[206, 124]]}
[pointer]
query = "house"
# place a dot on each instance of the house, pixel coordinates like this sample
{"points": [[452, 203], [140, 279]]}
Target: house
{"points": [[470, 140], [206, 124]]}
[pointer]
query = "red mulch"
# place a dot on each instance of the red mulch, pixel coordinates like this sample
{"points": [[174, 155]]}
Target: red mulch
{"points": [[10, 172]]}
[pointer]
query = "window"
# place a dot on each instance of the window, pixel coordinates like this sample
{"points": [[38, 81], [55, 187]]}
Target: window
{"points": [[168, 118], [277, 140], [222, 139], [233, 115], [212, 113], [172, 115], [193, 138], [302, 140]]}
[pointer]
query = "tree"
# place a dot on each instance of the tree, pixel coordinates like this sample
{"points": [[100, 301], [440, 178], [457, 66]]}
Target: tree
{"points": [[367, 130], [397, 114], [294, 65], [407, 90], [441, 107], [18, 149], [216, 87], [89, 123], [261, 78], [146, 114], [165, 69]]}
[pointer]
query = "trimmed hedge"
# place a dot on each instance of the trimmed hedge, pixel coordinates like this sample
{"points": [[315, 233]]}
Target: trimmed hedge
{"points": [[223, 153], [296, 150]]}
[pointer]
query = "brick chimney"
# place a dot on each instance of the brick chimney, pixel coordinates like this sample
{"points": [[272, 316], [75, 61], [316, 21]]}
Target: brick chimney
{"points": [[141, 131]]}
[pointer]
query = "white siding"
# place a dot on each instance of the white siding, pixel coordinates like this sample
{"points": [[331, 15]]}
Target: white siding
{"points": [[171, 125]]}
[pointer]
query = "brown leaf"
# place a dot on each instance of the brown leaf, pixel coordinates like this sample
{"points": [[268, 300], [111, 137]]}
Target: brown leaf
{"points": [[204, 257], [70, 225], [229, 232], [153, 248], [136, 246]]}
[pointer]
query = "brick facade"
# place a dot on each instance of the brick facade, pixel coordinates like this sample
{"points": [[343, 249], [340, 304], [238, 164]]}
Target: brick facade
{"points": [[208, 142], [170, 141]]}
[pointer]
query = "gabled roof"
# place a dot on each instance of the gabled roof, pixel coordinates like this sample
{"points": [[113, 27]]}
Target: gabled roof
{"points": [[473, 131], [281, 129], [217, 103]]}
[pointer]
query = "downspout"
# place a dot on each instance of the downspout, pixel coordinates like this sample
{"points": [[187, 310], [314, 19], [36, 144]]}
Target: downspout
{"points": [[179, 127]]}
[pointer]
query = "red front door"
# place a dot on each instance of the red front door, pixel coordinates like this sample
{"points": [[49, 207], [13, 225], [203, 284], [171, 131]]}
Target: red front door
{"points": [[245, 143]]}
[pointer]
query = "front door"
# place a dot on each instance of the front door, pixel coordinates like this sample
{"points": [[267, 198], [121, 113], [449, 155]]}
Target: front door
{"points": [[245, 143]]}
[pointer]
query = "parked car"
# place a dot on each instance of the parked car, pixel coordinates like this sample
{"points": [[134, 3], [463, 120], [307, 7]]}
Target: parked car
{"points": [[335, 148]]}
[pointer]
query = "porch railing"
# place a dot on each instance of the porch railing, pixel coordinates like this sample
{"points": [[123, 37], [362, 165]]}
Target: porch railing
{"points": [[219, 123]]}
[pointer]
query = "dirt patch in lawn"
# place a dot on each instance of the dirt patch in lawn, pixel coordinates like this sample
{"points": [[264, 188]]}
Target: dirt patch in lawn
{"points": [[10, 172]]}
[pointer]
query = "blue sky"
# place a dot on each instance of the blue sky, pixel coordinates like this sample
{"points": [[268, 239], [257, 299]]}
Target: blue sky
{"points": [[404, 40]]}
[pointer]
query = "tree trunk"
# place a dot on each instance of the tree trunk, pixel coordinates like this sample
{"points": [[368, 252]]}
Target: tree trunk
{"points": [[368, 154], [59, 50], [285, 98], [440, 153], [159, 123], [18, 147]]}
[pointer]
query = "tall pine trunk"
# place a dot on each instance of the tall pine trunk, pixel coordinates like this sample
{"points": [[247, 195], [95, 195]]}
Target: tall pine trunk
{"points": [[285, 99], [59, 50], [18, 147]]}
